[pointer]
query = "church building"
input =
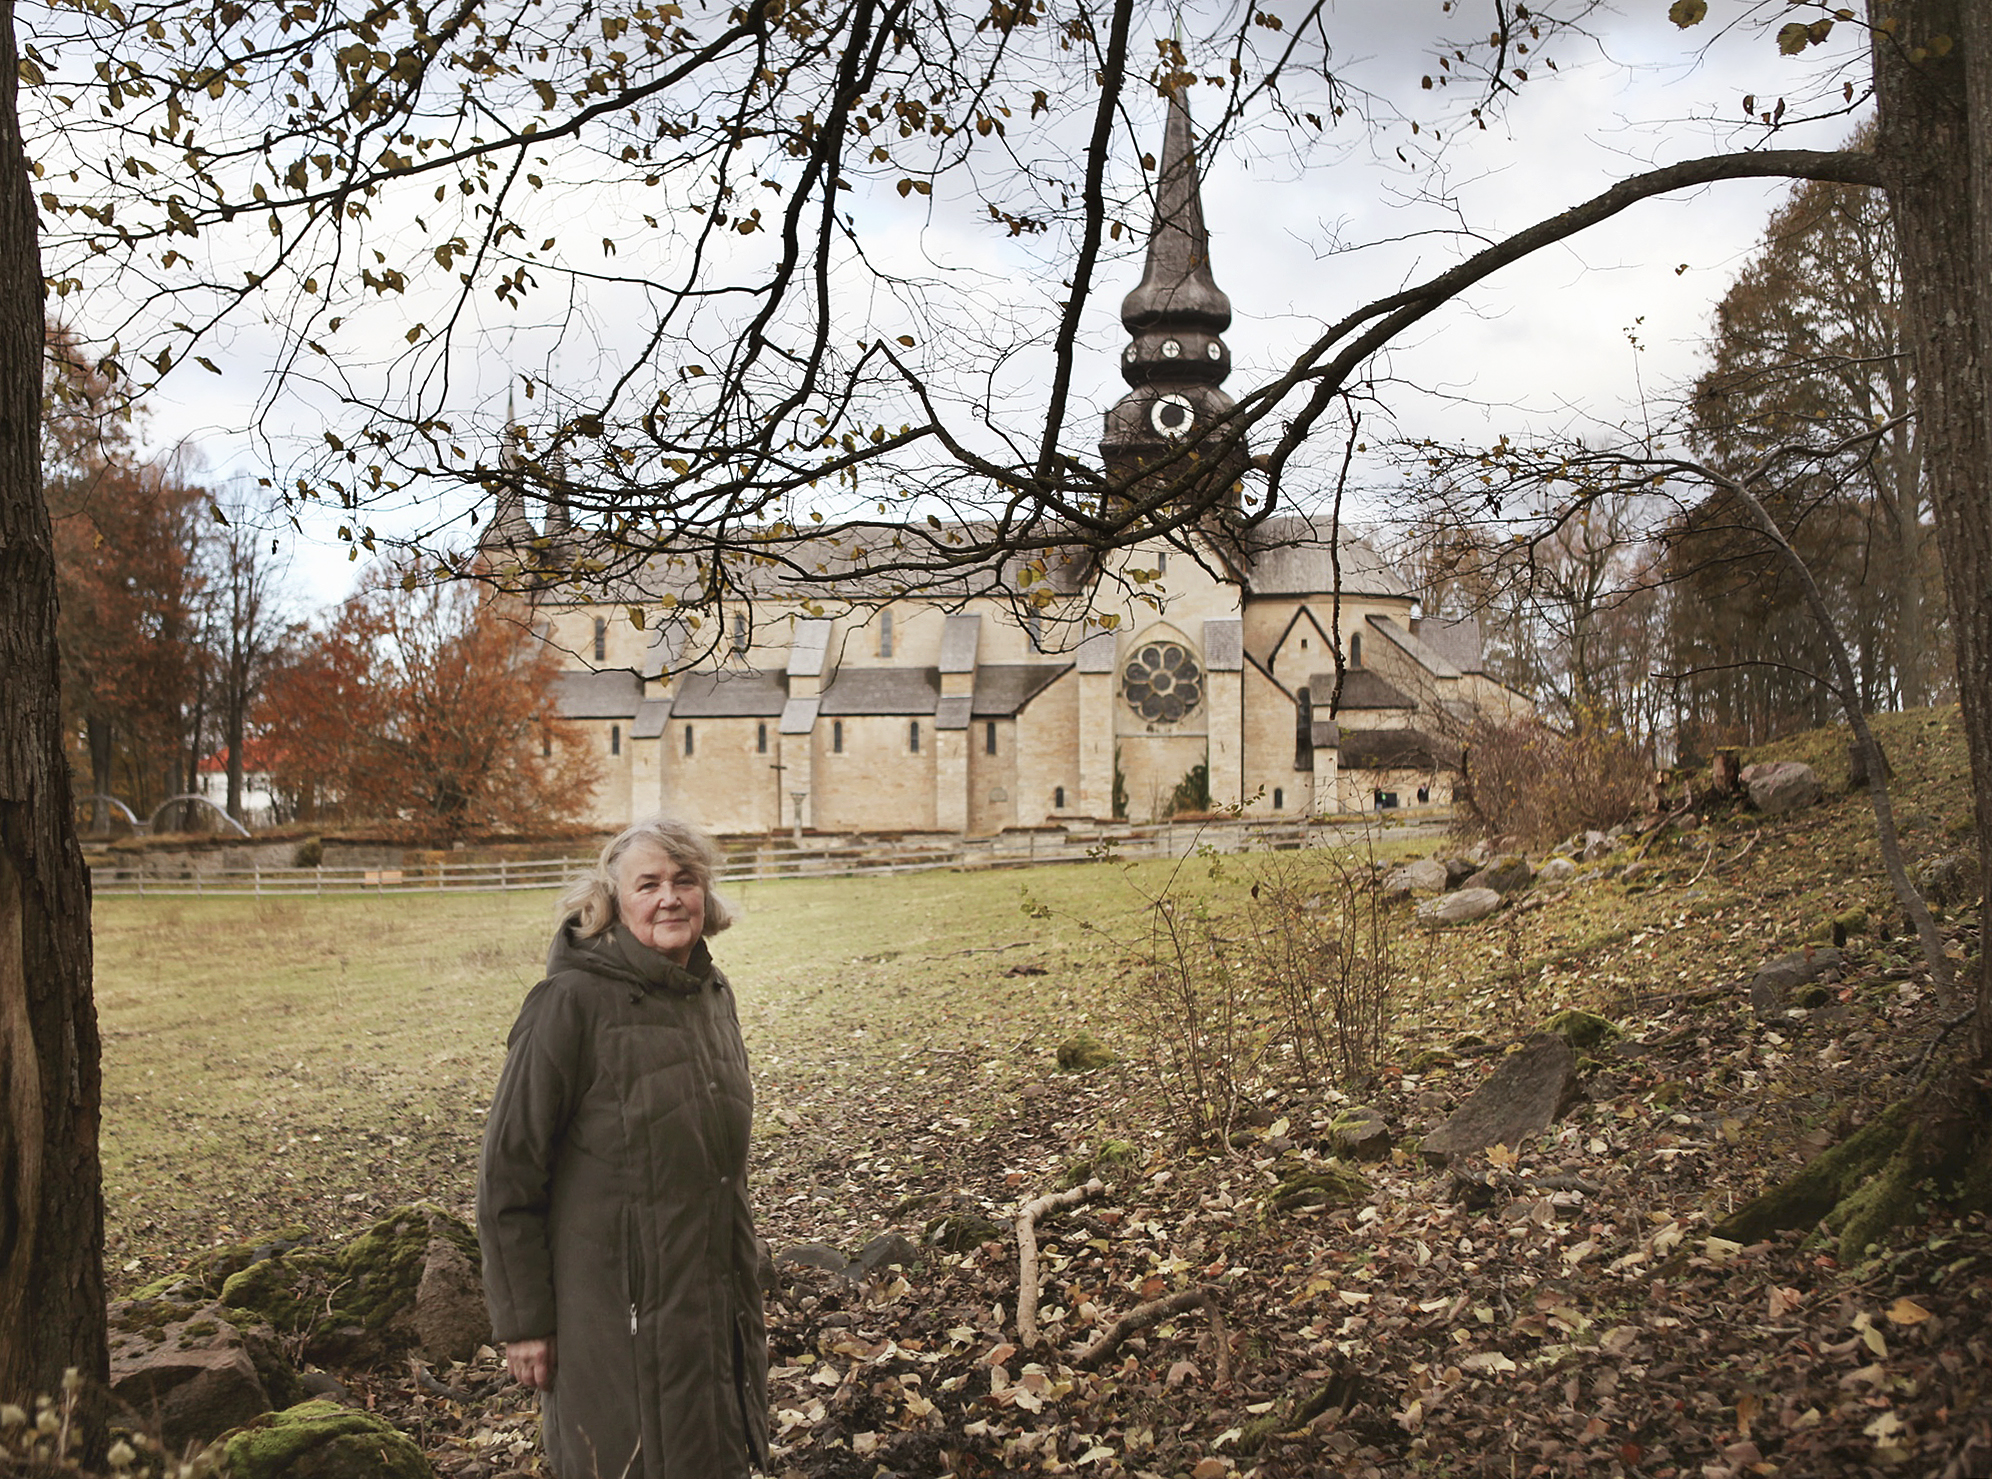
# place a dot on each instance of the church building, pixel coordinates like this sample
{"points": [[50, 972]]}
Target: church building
{"points": [[970, 713]]}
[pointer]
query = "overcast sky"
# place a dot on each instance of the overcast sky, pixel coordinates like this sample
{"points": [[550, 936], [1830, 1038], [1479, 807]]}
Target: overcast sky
{"points": [[1298, 242]]}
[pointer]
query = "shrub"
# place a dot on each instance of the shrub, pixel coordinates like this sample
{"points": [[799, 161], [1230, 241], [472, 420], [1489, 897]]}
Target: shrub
{"points": [[1529, 781], [1288, 985]]}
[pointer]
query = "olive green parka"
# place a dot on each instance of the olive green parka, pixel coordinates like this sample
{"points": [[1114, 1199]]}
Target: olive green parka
{"points": [[612, 1207]]}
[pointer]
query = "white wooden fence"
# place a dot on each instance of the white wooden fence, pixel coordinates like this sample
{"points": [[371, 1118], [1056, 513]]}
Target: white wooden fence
{"points": [[767, 861]]}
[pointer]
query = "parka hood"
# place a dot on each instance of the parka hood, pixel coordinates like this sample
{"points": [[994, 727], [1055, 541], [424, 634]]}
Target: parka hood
{"points": [[617, 955]]}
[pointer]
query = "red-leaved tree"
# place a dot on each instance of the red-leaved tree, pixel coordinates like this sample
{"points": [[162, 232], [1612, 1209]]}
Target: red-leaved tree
{"points": [[433, 708]]}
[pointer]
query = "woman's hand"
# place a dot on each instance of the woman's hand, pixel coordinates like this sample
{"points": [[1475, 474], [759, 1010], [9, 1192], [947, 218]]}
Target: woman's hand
{"points": [[530, 1362]]}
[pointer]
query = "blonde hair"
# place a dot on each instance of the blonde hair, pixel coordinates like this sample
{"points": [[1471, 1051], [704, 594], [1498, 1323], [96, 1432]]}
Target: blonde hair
{"points": [[589, 903]]}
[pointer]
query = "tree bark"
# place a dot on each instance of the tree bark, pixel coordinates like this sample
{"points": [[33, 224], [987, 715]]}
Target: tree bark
{"points": [[51, 1185], [1933, 86]]}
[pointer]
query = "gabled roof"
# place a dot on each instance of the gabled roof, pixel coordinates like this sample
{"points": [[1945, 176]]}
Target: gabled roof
{"points": [[1288, 555], [882, 691], [1361, 689], [1396, 749], [1002, 689], [611, 694], [729, 695]]}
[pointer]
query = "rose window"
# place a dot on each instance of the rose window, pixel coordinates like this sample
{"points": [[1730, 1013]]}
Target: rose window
{"points": [[1162, 682]]}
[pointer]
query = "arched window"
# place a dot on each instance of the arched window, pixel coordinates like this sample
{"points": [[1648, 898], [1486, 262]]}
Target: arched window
{"points": [[688, 739], [989, 738], [601, 639], [1058, 798], [913, 737], [885, 634], [1355, 649], [615, 739], [1279, 799], [836, 736], [761, 737]]}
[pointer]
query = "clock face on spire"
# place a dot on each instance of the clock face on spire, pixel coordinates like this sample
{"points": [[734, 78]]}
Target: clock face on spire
{"points": [[1172, 416]]}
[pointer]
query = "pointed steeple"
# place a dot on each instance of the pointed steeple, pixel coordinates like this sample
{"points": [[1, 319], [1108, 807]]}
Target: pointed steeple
{"points": [[1176, 358], [1177, 298], [509, 529]]}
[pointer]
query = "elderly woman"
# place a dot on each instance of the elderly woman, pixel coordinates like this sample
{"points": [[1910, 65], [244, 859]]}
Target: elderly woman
{"points": [[619, 1253]]}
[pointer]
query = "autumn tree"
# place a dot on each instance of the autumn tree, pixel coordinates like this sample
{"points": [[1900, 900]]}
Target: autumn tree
{"points": [[243, 628], [435, 706], [1806, 347]]}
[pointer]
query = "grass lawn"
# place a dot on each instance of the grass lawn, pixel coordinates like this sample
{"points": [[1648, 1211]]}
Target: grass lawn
{"points": [[275, 1061]]}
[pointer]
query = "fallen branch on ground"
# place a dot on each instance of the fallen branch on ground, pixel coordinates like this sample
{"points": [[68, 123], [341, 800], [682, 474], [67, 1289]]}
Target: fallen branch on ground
{"points": [[1154, 1312], [1027, 1253]]}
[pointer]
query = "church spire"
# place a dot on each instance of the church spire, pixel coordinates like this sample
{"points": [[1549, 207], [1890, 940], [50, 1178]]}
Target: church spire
{"points": [[1176, 360], [509, 531]]}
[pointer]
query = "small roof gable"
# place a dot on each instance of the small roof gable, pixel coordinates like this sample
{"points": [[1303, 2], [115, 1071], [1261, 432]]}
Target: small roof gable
{"points": [[1002, 689], [728, 695], [651, 715], [1428, 658], [612, 694], [1455, 638], [882, 691], [808, 647], [959, 638], [1361, 689]]}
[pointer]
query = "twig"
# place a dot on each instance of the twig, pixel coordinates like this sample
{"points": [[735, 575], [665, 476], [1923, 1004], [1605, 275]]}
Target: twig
{"points": [[1144, 1315], [1027, 1252], [1949, 1026], [1707, 858], [437, 1388], [1755, 838]]}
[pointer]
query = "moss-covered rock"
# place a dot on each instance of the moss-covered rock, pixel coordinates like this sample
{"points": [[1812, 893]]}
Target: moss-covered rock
{"points": [[1429, 1058], [1582, 1030], [1112, 1163], [1308, 1186], [1083, 1052], [1360, 1132], [958, 1232], [200, 1278], [355, 1303], [321, 1440]]}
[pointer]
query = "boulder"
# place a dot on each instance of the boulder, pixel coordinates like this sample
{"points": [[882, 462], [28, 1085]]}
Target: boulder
{"points": [[1505, 875], [1781, 785], [451, 1318], [1949, 881], [1521, 1098], [885, 1250], [1311, 1186], [816, 1255], [1460, 908], [1458, 870], [1582, 1030], [1596, 846], [321, 1440], [1772, 987], [1424, 876], [1082, 1052], [359, 1303], [1360, 1133], [192, 1371], [1556, 870]]}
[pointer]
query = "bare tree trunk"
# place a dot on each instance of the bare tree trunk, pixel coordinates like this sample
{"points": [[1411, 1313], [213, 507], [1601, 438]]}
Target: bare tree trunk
{"points": [[51, 1185], [1934, 144]]}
